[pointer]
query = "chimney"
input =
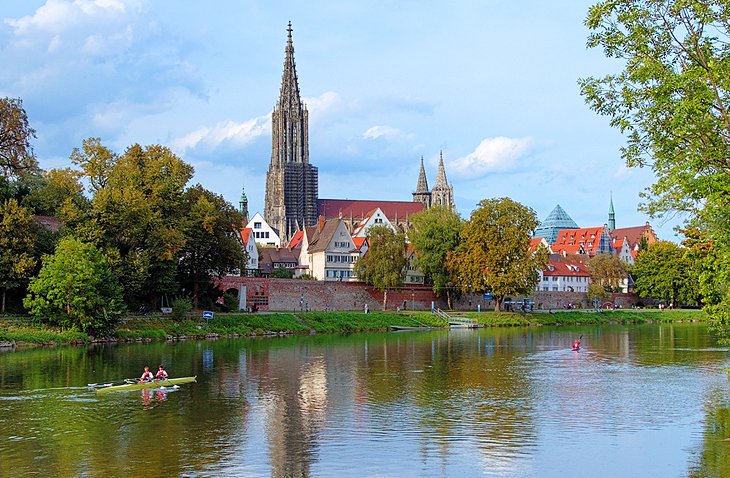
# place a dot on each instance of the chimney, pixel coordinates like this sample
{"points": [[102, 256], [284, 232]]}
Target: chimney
{"points": [[320, 224]]}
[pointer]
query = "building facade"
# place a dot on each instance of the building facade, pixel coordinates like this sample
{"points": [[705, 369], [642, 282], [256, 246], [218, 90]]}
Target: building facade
{"points": [[290, 203]]}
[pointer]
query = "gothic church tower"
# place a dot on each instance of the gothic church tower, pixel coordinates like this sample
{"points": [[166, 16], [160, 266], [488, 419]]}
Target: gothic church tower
{"points": [[442, 193], [291, 182], [422, 194]]}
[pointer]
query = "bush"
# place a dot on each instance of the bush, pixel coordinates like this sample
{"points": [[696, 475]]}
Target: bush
{"points": [[230, 302], [181, 307]]}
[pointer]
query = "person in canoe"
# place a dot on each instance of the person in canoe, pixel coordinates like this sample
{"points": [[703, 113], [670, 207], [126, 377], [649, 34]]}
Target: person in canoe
{"points": [[147, 376], [576, 345], [161, 373]]}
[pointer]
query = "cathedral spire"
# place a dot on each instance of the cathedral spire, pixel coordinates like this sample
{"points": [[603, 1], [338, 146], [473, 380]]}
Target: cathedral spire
{"points": [[442, 193], [289, 94], [422, 185], [291, 182], [422, 194], [441, 173]]}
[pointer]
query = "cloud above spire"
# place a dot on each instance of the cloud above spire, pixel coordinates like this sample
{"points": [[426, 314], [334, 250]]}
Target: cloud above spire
{"points": [[498, 154]]}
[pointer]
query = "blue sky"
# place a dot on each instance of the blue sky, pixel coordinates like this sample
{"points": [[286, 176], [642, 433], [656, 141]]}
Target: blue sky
{"points": [[491, 83]]}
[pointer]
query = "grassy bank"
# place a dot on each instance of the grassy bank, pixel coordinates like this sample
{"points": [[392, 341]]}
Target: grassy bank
{"points": [[23, 331]]}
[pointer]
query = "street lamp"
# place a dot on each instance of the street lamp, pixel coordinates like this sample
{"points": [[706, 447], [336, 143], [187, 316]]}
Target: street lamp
{"points": [[413, 300]]}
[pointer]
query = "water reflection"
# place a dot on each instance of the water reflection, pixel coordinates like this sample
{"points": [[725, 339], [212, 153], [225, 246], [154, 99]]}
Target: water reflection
{"points": [[504, 402]]}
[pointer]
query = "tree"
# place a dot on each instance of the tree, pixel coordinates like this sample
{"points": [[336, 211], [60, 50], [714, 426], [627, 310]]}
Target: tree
{"points": [[16, 152], [16, 244], [135, 214], [607, 271], [435, 232], [672, 100], [494, 253], [282, 273], [76, 289], [383, 264], [665, 271], [212, 241]]}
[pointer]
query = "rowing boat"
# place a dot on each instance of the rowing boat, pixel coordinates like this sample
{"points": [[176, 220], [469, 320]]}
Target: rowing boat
{"points": [[168, 382]]}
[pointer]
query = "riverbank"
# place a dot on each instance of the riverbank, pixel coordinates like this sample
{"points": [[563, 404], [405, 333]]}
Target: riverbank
{"points": [[19, 331]]}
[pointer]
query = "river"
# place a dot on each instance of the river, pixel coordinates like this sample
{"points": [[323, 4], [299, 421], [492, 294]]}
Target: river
{"points": [[649, 401]]}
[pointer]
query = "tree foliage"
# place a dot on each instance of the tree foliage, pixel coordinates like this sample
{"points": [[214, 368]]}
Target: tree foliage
{"points": [[383, 264], [494, 253], [607, 271], [672, 101], [16, 152], [665, 271], [435, 232], [16, 247], [76, 289], [212, 241]]}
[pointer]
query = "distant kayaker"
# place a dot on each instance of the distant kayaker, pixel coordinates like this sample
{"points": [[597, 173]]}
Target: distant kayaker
{"points": [[146, 375], [161, 373], [576, 345]]}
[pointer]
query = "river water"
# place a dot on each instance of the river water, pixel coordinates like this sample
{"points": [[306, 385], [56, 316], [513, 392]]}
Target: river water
{"points": [[649, 401]]}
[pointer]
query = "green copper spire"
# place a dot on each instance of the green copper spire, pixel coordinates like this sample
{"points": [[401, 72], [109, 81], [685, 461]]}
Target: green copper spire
{"points": [[611, 215]]}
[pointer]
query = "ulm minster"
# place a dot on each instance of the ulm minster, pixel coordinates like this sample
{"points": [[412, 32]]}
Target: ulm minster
{"points": [[292, 201]]}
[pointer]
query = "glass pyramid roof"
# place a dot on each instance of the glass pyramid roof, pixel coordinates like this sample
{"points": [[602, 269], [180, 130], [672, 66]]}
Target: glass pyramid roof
{"points": [[549, 228]]}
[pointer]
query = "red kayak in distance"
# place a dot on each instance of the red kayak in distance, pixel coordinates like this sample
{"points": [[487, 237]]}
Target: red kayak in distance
{"points": [[576, 346]]}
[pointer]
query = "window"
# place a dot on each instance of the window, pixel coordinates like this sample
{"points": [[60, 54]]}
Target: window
{"points": [[266, 234], [257, 225]]}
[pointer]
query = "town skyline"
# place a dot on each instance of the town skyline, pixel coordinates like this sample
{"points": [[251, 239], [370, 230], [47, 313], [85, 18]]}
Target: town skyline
{"points": [[503, 107]]}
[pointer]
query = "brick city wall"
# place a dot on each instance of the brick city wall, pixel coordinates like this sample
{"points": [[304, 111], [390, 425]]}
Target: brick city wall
{"points": [[295, 294]]}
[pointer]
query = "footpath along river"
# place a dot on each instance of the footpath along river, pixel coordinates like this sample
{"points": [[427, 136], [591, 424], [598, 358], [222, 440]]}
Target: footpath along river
{"points": [[649, 401]]}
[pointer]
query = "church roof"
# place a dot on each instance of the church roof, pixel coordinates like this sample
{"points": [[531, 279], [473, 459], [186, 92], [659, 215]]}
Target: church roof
{"points": [[358, 209], [634, 234], [556, 221]]}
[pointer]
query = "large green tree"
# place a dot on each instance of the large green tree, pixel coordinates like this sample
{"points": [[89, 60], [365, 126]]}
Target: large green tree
{"points": [[435, 232], [494, 253], [16, 152], [76, 288], [383, 264], [666, 271], [135, 214], [213, 243], [16, 247], [607, 271], [672, 101]]}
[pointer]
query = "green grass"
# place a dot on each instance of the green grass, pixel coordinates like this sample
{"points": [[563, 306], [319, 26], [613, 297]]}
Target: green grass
{"points": [[24, 330]]}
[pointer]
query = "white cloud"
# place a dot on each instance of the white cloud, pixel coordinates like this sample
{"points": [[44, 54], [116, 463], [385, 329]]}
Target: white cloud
{"points": [[623, 172], [56, 16], [229, 131], [385, 132], [499, 154]]}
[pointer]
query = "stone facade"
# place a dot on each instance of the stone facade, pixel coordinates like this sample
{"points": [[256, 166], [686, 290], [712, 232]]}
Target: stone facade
{"points": [[291, 182]]}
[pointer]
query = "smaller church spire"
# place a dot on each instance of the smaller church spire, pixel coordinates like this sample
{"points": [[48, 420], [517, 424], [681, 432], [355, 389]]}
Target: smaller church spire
{"points": [[422, 186], [243, 206], [422, 194], [611, 215], [441, 181]]}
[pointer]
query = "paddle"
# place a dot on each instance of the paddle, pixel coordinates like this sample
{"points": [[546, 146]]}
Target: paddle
{"points": [[113, 382]]}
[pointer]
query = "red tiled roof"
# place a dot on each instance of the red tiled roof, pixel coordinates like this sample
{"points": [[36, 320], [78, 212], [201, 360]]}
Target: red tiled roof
{"points": [[569, 241], [245, 233], [52, 223], [359, 241], [296, 239], [567, 269], [358, 209], [633, 234], [535, 243]]}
